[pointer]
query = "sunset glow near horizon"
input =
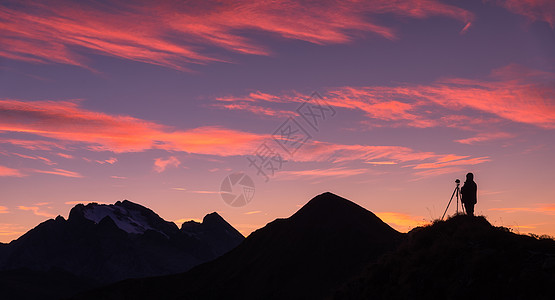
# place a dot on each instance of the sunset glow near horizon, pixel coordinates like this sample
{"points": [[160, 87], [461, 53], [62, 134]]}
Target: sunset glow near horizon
{"points": [[158, 101]]}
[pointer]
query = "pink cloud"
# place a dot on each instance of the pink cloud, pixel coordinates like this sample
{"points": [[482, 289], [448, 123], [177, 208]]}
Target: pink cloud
{"points": [[538, 208], [256, 109], [9, 172], [33, 144], [338, 172], [60, 172], [117, 133], [160, 164], [534, 10], [513, 93], [44, 159], [111, 160], [484, 137], [458, 162], [175, 34], [64, 155]]}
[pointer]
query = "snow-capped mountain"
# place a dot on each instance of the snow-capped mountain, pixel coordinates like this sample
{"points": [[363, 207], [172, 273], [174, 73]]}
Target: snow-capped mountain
{"points": [[101, 243], [128, 216]]}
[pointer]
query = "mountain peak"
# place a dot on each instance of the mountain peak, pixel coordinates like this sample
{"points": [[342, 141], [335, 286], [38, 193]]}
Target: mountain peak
{"points": [[128, 216]]}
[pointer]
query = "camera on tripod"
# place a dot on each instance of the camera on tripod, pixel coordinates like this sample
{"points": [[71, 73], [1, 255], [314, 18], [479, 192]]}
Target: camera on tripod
{"points": [[457, 193]]}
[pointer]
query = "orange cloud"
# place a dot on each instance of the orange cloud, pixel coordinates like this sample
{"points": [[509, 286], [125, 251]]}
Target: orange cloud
{"points": [[535, 10], [36, 211], [173, 34], [10, 232], [60, 172], [253, 212], [4, 210], [117, 133], [161, 164], [400, 221], [101, 132]]}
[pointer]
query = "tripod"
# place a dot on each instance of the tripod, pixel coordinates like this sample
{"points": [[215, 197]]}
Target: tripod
{"points": [[457, 192]]}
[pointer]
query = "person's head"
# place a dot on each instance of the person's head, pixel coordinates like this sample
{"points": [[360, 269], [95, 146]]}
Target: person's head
{"points": [[469, 177]]}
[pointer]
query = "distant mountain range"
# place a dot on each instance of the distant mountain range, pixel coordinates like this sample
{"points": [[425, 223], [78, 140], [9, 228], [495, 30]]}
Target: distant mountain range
{"points": [[306, 256], [100, 244], [334, 249], [330, 249]]}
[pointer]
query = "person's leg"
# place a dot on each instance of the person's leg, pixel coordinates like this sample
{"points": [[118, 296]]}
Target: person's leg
{"points": [[469, 209]]}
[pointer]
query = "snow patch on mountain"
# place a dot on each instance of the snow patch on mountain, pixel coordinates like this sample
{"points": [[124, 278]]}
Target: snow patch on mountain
{"points": [[127, 220]]}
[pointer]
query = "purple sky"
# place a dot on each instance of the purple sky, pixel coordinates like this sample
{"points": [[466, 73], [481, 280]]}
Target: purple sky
{"points": [[158, 101]]}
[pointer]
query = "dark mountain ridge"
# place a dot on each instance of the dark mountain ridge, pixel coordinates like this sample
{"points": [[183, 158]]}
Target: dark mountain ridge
{"points": [[464, 257], [333, 248], [305, 256], [100, 244]]}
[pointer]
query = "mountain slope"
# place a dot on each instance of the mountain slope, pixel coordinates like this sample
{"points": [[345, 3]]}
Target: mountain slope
{"points": [[462, 258], [100, 244], [306, 256]]}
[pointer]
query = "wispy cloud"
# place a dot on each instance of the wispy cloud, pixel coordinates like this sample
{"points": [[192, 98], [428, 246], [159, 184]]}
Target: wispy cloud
{"points": [[111, 161], [10, 231], [173, 34], [64, 155], [4, 210], [512, 93], [117, 133], [203, 192], [31, 144], [548, 209], [35, 157], [60, 172], [160, 164], [464, 161], [36, 210], [485, 137], [9, 172], [320, 173], [253, 212], [534, 10]]}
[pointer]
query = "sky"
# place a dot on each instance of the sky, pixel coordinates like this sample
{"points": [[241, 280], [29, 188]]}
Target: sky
{"points": [[382, 102]]}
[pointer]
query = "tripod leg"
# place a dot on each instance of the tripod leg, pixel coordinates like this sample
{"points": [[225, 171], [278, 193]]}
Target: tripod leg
{"points": [[449, 203], [462, 206]]}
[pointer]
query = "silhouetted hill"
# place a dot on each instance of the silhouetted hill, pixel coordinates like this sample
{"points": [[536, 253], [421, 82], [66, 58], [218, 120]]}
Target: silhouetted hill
{"points": [[461, 258], [101, 244], [306, 256]]}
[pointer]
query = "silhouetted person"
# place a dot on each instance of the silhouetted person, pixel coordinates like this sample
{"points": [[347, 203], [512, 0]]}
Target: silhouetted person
{"points": [[468, 194]]}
